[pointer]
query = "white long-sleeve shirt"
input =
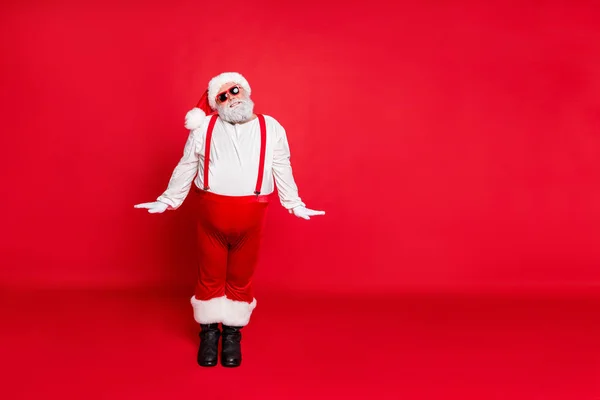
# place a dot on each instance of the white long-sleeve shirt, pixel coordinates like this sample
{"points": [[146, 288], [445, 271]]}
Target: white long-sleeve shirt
{"points": [[233, 164]]}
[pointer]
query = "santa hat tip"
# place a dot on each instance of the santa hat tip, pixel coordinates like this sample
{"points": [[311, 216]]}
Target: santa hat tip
{"points": [[194, 118]]}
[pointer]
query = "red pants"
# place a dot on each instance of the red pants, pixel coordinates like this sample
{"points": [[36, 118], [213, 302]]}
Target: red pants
{"points": [[229, 235]]}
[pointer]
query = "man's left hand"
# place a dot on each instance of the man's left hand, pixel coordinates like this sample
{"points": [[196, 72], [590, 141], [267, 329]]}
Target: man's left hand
{"points": [[305, 213]]}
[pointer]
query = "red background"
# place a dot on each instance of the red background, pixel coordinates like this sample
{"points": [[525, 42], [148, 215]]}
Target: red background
{"points": [[452, 145]]}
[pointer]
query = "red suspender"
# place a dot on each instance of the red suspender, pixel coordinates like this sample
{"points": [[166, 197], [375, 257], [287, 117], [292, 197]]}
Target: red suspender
{"points": [[211, 126], [263, 147]]}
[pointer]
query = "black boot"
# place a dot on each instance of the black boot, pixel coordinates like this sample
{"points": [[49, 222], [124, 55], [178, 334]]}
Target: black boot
{"points": [[231, 352], [209, 344]]}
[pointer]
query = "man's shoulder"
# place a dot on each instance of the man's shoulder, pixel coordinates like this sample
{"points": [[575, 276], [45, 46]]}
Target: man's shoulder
{"points": [[205, 122], [268, 117], [199, 132], [272, 120]]}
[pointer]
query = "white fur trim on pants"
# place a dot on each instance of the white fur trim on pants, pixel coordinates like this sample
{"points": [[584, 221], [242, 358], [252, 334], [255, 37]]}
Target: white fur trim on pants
{"points": [[224, 310]]}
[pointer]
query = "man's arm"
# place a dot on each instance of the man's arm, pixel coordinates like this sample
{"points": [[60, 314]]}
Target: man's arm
{"points": [[180, 182], [282, 172], [183, 175], [284, 178]]}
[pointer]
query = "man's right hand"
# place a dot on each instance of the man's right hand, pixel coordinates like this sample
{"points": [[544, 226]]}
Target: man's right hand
{"points": [[154, 207]]}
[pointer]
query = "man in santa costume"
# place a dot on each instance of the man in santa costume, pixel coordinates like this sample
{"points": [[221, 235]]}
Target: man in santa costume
{"points": [[232, 161]]}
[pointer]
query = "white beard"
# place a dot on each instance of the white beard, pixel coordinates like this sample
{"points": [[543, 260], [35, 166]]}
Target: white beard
{"points": [[237, 114]]}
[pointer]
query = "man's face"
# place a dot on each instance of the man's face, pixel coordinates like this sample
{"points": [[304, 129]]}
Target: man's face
{"points": [[233, 103], [229, 95]]}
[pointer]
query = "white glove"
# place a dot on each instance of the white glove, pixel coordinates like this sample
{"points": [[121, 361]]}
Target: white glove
{"points": [[305, 213], [153, 208]]}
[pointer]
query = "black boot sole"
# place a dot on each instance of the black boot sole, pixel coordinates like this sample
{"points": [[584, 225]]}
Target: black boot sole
{"points": [[208, 364], [231, 365]]}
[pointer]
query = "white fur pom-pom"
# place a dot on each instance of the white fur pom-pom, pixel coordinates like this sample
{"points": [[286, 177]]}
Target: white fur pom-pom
{"points": [[194, 118]]}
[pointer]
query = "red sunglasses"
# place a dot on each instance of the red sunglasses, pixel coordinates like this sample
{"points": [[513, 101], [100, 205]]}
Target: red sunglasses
{"points": [[234, 91]]}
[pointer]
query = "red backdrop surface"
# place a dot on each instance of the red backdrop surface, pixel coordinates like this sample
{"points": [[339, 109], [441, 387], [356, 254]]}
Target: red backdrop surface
{"points": [[452, 145]]}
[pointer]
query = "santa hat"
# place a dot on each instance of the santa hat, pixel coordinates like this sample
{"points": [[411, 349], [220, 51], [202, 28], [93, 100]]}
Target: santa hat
{"points": [[207, 104]]}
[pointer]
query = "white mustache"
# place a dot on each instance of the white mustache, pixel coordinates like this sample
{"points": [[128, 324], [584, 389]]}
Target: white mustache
{"points": [[237, 110]]}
